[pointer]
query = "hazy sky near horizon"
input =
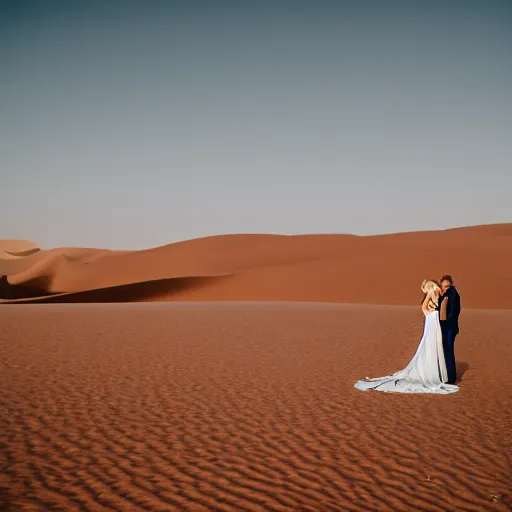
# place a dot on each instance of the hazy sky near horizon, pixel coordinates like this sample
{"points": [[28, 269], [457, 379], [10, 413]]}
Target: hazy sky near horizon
{"points": [[131, 124]]}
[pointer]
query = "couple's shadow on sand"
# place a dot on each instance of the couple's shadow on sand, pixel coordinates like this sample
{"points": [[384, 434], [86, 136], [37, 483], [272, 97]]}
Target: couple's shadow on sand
{"points": [[462, 368]]}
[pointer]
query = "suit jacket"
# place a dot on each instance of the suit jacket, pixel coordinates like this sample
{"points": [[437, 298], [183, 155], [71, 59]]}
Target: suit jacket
{"points": [[450, 306]]}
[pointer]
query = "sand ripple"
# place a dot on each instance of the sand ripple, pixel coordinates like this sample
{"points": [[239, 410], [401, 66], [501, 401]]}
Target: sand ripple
{"points": [[245, 407]]}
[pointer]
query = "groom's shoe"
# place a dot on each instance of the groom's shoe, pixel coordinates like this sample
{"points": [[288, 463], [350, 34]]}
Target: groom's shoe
{"points": [[450, 382]]}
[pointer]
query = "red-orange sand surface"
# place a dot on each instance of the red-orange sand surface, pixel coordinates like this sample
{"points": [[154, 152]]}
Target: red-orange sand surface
{"points": [[247, 406], [383, 269]]}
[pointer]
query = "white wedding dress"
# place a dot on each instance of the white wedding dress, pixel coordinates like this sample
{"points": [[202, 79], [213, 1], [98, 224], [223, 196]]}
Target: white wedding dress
{"points": [[426, 373]]}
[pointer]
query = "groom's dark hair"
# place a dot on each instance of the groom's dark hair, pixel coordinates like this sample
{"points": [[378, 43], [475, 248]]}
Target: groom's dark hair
{"points": [[447, 277]]}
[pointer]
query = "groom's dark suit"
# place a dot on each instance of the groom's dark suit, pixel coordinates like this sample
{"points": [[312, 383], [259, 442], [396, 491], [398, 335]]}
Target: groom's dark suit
{"points": [[449, 312]]}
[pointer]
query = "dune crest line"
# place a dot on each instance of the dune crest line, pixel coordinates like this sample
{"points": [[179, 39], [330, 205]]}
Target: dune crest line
{"points": [[301, 268]]}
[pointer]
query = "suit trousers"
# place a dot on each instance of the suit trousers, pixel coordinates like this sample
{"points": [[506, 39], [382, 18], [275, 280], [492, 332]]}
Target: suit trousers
{"points": [[450, 331]]}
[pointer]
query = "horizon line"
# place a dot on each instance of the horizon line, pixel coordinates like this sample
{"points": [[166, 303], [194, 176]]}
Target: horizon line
{"points": [[470, 226]]}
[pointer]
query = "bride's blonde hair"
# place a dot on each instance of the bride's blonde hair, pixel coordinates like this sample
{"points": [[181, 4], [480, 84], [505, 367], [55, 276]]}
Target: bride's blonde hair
{"points": [[428, 284]]}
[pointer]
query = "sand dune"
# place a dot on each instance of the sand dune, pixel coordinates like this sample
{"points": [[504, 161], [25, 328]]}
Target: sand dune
{"points": [[144, 291], [17, 246], [246, 407], [7, 252], [250, 406], [313, 268], [4, 255]]}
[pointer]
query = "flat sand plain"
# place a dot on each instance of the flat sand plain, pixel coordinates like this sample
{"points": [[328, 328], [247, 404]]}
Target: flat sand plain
{"points": [[246, 406]]}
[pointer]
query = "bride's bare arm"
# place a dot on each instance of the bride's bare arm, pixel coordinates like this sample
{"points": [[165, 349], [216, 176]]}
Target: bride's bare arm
{"points": [[424, 306], [430, 302]]}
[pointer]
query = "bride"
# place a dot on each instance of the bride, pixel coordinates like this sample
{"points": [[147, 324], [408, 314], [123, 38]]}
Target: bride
{"points": [[426, 373]]}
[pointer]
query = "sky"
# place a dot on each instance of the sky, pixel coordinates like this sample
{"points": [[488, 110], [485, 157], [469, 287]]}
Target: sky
{"points": [[132, 124]]}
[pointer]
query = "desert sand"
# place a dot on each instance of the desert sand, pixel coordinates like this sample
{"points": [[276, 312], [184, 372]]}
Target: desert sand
{"points": [[246, 406], [312, 268], [233, 389]]}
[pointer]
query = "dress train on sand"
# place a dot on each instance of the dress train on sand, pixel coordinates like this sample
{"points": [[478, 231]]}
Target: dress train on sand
{"points": [[426, 373]]}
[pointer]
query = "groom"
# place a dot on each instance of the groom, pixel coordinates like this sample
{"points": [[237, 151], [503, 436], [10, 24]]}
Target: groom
{"points": [[449, 311]]}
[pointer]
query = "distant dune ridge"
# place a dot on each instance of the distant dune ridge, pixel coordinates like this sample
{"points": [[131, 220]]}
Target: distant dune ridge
{"points": [[384, 269]]}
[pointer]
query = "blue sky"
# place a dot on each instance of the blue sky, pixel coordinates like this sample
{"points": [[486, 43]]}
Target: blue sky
{"points": [[129, 124]]}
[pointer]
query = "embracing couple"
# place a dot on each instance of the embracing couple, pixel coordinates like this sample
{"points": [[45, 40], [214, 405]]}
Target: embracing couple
{"points": [[432, 369]]}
